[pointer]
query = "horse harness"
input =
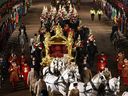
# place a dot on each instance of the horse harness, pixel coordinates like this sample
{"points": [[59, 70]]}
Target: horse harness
{"points": [[109, 89], [93, 86], [59, 83]]}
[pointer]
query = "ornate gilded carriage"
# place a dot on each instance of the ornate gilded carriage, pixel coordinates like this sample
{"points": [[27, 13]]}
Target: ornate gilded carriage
{"points": [[57, 45]]}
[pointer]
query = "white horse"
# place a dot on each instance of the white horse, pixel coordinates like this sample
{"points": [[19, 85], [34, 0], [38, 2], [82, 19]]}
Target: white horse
{"points": [[61, 83], [113, 86], [90, 89], [93, 85], [71, 74], [56, 65], [125, 93]]}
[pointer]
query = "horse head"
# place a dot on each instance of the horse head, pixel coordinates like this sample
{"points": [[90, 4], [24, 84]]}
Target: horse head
{"points": [[101, 78], [95, 82], [125, 93], [114, 85]]}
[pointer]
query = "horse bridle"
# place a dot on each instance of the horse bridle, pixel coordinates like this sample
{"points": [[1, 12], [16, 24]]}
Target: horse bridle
{"points": [[63, 81], [56, 83]]}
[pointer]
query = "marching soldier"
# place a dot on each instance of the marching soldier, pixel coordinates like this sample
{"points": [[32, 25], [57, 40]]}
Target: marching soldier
{"points": [[99, 13], [14, 72], [24, 71], [92, 12], [120, 62], [125, 72]]}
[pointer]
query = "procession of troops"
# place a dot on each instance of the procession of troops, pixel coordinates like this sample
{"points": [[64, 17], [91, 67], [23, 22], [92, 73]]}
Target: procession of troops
{"points": [[64, 76]]}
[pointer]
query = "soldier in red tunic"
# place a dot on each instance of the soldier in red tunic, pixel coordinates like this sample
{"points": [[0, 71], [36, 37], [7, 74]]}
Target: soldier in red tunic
{"points": [[101, 65], [120, 61], [103, 57], [21, 60], [14, 72], [125, 72], [25, 68], [12, 58]]}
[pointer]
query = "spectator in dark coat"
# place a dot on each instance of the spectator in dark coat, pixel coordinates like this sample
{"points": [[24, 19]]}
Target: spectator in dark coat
{"points": [[91, 51], [114, 30]]}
